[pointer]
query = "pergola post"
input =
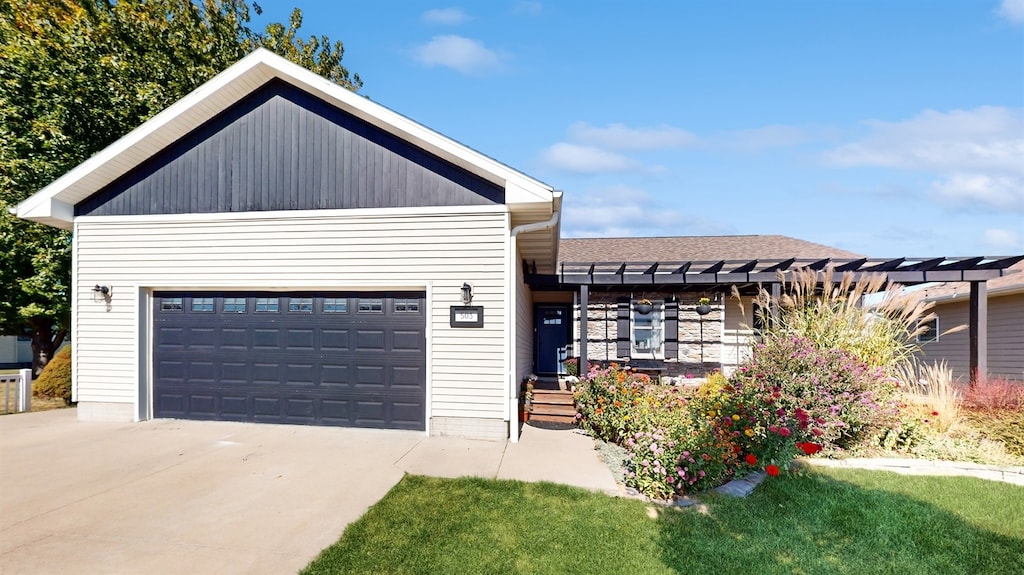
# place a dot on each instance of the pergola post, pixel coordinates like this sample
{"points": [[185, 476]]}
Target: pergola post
{"points": [[978, 331], [584, 304]]}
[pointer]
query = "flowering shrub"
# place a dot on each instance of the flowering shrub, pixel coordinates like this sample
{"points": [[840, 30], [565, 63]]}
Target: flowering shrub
{"points": [[572, 366], [826, 396]]}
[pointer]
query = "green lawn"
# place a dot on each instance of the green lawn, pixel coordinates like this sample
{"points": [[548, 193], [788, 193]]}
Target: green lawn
{"points": [[830, 521]]}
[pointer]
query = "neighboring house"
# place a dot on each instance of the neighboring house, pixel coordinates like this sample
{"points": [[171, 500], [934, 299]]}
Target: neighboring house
{"points": [[1005, 353], [276, 248], [15, 351]]}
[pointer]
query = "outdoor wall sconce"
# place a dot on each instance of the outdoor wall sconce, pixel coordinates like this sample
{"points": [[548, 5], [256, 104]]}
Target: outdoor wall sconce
{"points": [[467, 294], [102, 290]]}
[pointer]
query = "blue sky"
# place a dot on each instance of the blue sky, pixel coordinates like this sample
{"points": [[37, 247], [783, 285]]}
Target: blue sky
{"points": [[885, 128]]}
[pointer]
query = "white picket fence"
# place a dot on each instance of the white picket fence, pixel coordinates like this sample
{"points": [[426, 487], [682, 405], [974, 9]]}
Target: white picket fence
{"points": [[17, 391]]}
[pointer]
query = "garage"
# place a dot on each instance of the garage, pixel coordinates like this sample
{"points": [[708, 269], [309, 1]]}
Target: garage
{"points": [[351, 359]]}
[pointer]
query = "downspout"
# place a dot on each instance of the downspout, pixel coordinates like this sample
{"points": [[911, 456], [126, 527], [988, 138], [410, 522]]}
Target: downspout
{"points": [[513, 344]]}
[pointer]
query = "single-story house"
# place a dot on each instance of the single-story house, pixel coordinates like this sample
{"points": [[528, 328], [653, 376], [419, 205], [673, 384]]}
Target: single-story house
{"points": [[276, 248], [1005, 333]]}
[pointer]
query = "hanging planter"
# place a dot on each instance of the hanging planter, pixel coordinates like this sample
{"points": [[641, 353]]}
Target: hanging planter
{"points": [[703, 306], [643, 306]]}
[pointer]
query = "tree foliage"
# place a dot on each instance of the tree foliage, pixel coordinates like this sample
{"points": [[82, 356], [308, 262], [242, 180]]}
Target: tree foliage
{"points": [[76, 75]]}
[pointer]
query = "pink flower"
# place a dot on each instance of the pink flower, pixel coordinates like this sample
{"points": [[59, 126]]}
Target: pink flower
{"points": [[785, 432]]}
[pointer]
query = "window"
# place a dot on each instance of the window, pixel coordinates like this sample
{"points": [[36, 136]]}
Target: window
{"points": [[234, 305], [202, 304], [648, 331], [170, 304], [929, 331], [266, 305], [300, 305], [404, 305], [335, 305], [371, 305]]}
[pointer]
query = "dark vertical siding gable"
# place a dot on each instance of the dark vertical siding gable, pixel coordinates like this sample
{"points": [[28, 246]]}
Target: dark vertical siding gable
{"points": [[283, 149]]}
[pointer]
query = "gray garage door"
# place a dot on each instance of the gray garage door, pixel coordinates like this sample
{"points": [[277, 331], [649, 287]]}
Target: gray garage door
{"points": [[351, 359]]}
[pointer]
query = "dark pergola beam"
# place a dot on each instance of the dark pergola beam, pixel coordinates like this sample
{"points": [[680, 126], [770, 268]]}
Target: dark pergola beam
{"points": [[978, 331], [584, 307]]}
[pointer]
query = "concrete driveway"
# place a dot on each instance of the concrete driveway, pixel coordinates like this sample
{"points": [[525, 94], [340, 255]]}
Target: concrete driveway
{"points": [[170, 496]]}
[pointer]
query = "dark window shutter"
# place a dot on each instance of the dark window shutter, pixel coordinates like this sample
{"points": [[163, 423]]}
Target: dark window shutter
{"points": [[671, 329], [623, 336]]}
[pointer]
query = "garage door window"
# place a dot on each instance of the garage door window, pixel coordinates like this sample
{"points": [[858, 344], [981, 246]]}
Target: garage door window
{"points": [[404, 305], [202, 304], [300, 305], [234, 305], [371, 305], [335, 305], [266, 305], [170, 304]]}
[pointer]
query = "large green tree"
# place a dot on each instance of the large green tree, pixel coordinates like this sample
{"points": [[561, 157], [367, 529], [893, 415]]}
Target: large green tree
{"points": [[76, 75]]}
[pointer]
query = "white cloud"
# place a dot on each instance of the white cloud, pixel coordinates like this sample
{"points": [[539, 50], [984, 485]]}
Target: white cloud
{"points": [[621, 137], [976, 154], [445, 16], [527, 7], [625, 211], [586, 159], [986, 138], [982, 192], [1012, 10], [1009, 240], [463, 54]]}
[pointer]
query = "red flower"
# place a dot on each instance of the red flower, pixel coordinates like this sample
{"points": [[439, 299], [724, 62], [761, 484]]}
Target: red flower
{"points": [[772, 470], [935, 413], [751, 459], [784, 431], [808, 447]]}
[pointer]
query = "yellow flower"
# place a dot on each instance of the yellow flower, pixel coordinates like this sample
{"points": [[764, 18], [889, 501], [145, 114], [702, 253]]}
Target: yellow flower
{"points": [[749, 432], [735, 417]]}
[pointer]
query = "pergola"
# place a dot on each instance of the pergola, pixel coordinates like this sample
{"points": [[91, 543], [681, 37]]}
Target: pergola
{"points": [[748, 275]]}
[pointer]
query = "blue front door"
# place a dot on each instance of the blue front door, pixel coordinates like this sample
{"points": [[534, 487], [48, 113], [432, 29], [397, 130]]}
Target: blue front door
{"points": [[552, 324]]}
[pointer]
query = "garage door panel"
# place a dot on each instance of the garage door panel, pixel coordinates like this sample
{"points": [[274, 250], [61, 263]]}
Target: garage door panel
{"points": [[292, 358]]}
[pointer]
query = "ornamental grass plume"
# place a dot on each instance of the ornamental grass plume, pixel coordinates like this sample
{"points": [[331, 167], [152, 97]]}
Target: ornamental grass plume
{"points": [[933, 389], [831, 312]]}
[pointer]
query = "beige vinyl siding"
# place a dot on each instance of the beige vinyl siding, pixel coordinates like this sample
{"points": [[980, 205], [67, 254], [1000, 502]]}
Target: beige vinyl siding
{"points": [[1005, 337], [313, 251], [737, 332], [524, 325]]}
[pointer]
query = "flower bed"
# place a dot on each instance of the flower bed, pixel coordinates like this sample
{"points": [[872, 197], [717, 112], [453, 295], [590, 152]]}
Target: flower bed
{"points": [[790, 398]]}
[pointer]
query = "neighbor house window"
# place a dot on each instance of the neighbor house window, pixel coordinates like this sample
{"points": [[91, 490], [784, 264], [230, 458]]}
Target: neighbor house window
{"points": [[202, 304], [929, 331], [234, 305], [648, 331], [335, 305]]}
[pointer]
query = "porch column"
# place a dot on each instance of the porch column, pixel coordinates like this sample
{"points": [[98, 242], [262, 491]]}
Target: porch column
{"points": [[978, 334], [584, 303]]}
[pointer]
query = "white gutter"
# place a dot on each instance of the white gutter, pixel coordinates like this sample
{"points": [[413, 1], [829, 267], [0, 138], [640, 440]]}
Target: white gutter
{"points": [[511, 347]]}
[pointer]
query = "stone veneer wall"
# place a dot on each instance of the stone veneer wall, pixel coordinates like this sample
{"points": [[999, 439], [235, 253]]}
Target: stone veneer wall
{"points": [[602, 333]]}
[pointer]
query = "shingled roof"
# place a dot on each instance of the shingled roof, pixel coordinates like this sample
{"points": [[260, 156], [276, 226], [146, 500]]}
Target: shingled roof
{"points": [[695, 248]]}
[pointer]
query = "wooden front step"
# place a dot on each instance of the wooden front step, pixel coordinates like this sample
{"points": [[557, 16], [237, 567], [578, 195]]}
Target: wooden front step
{"points": [[555, 406]]}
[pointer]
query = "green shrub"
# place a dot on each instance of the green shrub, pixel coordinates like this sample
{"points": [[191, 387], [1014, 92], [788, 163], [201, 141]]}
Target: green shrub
{"points": [[55, 381]]}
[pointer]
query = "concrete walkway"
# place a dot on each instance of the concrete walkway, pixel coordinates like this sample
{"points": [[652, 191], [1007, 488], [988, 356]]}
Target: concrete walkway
{"points": [[171, 496]]}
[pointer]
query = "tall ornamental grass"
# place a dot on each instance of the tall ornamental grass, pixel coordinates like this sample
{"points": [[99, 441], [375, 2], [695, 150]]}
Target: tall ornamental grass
{"points": [[831, 313]]}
